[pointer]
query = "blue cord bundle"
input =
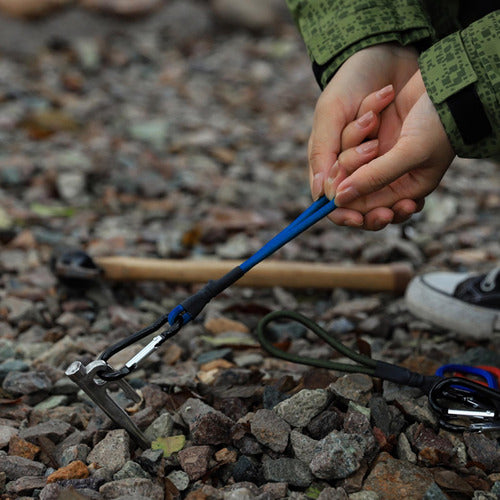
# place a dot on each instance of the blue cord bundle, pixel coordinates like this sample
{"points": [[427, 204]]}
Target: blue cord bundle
{"points": [[192, 306]]}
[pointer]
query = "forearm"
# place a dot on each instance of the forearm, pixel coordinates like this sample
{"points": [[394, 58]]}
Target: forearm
{"points": [[462, 76]]}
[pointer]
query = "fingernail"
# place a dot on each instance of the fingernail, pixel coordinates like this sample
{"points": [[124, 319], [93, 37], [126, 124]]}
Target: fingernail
{"points": [[346, 196], [353, 223], [317, 186], [330, 181], [367, 147], [382, 93], [365, 120], [330, 188]]}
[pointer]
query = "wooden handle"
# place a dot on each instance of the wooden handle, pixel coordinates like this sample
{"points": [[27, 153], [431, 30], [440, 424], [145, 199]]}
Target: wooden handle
{"points": [[378, 277]]}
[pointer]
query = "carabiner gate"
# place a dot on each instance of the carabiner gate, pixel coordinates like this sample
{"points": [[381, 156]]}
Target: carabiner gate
{"points": [[465, 405]]}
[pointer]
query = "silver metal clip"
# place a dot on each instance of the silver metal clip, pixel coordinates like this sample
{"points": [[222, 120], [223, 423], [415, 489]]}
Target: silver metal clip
{"points": [[87, 378]]}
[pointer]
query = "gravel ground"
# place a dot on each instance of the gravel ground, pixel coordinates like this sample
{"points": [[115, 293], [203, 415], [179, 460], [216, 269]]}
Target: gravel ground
{"points": [[183, 135]]}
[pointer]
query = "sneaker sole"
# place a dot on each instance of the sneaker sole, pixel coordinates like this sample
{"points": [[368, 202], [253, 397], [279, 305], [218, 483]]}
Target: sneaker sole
{"points": [[468, 320]]}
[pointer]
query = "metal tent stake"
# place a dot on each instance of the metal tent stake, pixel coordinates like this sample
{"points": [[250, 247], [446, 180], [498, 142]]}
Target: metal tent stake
{"points": [[87, 378]]}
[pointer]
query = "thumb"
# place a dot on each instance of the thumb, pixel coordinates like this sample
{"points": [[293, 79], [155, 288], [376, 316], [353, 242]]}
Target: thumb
{"points": [[380, 172]]}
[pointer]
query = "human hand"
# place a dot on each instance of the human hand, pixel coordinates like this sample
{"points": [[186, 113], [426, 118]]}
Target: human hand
{"points": [[414, 154], [387, 67]]}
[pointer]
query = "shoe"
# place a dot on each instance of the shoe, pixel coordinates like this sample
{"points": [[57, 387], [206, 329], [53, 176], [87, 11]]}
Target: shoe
{"points": [[466, 304]]}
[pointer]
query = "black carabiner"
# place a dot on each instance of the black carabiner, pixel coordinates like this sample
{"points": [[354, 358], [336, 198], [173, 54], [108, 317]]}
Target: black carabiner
{"points": [[465, 405]]}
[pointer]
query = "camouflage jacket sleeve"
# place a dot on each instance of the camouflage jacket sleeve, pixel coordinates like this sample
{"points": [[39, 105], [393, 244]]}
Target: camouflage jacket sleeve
{"points": [[461, 73], [333, 30]]}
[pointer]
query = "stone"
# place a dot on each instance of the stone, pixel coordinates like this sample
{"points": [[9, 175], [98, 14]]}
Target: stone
{"points": [[212, 428], [303, 446], [16, 467], [70, 185], [324, 423], [179, 479], [272, 396], [247, 469], [364, 495], [131, 469], [287, 470], [270, 430], [161, 427], [404, 450], [194, 460], [133, 487], [74, 452], [55, 430], [74, 470], [222, 324], [25, 486], [355, 387], [6, 433], [483, 450], [112, 452], [262, 15], [337, 456], [22, 448], [299, 409], [193, 409], [21, 383], [394, 479], [433, 449], [333, 494]]}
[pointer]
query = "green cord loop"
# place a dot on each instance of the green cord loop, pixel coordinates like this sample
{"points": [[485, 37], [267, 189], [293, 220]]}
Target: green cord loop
{"points": [[366, 365]]}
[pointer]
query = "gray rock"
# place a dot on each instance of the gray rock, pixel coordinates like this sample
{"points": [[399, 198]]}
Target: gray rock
{"points": [[131, 469], [135, 487], [355, 387], [55, 430], [12, 365], [261, 15], [74, 452], [25, 485], [270, 430], [333, 494], [338, 455], [6, 432], [180, 479], [404, 449], [193, 409], [161, 427], [70, 185], [364, 495], [303, 446], [113, 451], [16, 467], [238, 494], [434, 493], [287, 470], [303, 406], [18, 383]]}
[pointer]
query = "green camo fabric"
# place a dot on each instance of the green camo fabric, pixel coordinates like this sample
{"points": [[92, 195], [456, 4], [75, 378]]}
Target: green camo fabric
{"points": [[333, 30]]}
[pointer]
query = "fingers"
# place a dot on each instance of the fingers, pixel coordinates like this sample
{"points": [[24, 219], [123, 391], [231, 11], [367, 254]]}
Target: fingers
{"points": [[346, 217], [380, 173], [367, 123], [324, 143], [348, 161], [404, 209]]}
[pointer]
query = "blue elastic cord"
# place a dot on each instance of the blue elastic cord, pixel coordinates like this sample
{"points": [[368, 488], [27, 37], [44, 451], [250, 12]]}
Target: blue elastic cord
{"points": [[310, 216], [316, 211], [488, 377]]}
